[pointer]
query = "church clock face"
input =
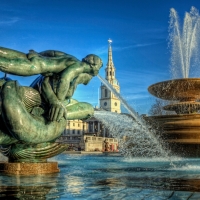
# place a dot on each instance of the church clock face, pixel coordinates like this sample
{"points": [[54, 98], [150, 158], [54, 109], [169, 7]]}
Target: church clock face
{"points": [[105, 103]]}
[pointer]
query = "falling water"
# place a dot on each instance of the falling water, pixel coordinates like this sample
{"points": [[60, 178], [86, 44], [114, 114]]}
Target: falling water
{"points": [[124, 103], [134, 139], [141, 140], [184, 42]]}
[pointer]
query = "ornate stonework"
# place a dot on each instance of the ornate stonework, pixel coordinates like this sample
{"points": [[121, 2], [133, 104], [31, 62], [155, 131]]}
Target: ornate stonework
{"points": [[29, 168]]}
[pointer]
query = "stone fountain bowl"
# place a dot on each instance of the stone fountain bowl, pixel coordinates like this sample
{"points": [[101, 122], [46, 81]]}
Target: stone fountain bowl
{"points": [[186, 89]]}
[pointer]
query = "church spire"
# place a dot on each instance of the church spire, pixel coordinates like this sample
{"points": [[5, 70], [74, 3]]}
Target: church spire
{"points": [[110, 60], [110, 69], [108, 101]]}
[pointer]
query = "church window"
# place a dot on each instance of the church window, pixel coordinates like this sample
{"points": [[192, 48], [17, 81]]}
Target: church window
{"points": [[106, 93]]}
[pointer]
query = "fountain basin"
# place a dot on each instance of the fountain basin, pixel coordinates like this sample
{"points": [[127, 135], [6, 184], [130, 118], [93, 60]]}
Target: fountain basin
{"points": [[181, 132], [186, 89], [186, 107]]}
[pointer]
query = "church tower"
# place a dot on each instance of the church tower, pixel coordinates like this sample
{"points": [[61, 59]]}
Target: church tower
{"points": [[108, 101]]}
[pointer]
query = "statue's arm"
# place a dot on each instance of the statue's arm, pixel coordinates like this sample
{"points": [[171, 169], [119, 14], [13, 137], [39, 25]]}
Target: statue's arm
{"points": [[18, 63], [52, 53], [83, 78], [57, 109], [67, 76]]}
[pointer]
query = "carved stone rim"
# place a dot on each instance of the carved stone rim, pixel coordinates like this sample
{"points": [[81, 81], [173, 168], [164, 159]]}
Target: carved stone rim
{"points": [[185, 89]]}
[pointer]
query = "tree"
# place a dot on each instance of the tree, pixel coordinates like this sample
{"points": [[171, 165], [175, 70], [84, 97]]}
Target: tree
{"points": [[157, 108]]}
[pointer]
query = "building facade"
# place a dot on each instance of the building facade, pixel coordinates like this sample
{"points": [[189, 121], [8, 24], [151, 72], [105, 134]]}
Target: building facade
{"points": [[75, 129]]}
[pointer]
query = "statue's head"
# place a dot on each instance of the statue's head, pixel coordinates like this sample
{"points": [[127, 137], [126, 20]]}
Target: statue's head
{"points": [[94, 61]]}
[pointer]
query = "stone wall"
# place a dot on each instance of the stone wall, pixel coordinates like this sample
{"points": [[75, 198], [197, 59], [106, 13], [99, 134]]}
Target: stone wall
{"points": [[93, 143]]}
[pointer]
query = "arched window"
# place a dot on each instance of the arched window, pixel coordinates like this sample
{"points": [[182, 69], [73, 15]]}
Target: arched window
{"points": [[110, 73], [106, 93]]}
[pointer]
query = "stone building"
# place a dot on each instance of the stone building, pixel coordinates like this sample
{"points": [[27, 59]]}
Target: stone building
{"points": [[75, 129], [108, 101], [91, 134]]}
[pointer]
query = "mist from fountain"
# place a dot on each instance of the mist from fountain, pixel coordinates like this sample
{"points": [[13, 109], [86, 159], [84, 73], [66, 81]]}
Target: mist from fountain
{"points": [[184, 42], [141, 140], [134, 139]]}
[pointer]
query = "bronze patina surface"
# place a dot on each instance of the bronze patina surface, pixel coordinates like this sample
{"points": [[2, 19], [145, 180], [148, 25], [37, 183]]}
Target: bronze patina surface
{"points": [[32, 118]]}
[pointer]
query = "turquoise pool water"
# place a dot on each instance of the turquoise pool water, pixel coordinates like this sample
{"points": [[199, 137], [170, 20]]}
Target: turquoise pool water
{"points": [[108, 177]]}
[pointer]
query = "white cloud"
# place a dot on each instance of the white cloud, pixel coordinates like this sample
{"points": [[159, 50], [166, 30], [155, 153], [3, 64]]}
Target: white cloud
{"points": [[135, 96], [104, 49], [9, 21], [135, 46], [137, 77]]}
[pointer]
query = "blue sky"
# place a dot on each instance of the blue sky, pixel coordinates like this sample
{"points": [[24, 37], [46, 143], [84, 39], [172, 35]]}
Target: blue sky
{"points": [[138, 29]]}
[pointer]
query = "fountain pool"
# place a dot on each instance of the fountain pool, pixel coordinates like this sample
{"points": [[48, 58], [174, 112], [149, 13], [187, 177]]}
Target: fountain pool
{"points": [[108, 177]]}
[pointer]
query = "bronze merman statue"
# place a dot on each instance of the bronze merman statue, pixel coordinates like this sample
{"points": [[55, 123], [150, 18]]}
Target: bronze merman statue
{"points": [[34, 117]]}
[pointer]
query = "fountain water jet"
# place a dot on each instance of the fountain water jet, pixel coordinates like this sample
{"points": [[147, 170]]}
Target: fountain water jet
{"points": [[184, 42], [123, 101], [134, 139], [141, 137], [181, 130]]}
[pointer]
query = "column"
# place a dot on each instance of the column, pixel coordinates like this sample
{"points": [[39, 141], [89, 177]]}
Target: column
{"points": [[93, 127]]}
